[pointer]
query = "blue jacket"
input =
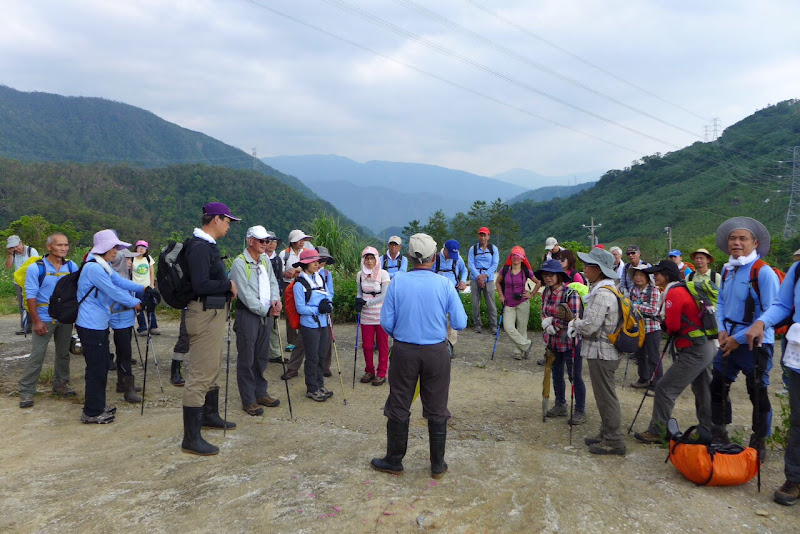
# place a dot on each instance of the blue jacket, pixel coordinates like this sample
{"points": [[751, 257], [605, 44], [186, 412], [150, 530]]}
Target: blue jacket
{"points": [[95, 312], [417, 305], [787, 297], [732, 297], [484, 262], [447, 267], [42, 293], [309, 313], [393, 266]]}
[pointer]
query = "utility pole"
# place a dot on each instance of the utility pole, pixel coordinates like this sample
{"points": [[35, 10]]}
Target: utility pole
{"points": [[255, 158], [592, 237], [668, 230], [792, 225]]}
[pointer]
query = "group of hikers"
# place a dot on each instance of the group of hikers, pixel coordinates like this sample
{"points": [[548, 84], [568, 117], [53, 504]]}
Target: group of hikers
{"points": [[717, 325]]}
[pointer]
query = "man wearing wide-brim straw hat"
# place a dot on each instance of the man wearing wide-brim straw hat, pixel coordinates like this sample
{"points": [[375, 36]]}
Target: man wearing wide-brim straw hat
{"points": [[748, 288], [702, 260], [600, 317]]}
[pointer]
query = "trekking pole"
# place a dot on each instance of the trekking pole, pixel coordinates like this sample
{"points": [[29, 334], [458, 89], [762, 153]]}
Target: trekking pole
{"points": [[283, 364], [497, 333], [355, 351], [150, 342], [227, 373], [572, 391], [144, 378], [625, 374], [336, 352], [138, 349], [757, 383], [653, 377]]}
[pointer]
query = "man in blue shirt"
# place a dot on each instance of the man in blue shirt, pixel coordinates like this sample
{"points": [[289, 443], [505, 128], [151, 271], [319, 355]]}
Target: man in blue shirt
{"points": [[393, 262], [483, 261], [740, 303], [677, 258], [40, 280], [415, 313], [449, 264]]}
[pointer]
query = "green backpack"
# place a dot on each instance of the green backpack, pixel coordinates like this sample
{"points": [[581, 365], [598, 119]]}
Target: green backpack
{"points": [[705, 295]]}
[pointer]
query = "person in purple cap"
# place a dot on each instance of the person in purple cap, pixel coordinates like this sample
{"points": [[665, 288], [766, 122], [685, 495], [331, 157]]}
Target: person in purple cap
{"points": [[205, 322]]}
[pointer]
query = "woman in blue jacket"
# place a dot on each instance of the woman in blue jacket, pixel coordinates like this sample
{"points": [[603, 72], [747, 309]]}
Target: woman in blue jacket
{"points": [[122, 321], [99, 288]]}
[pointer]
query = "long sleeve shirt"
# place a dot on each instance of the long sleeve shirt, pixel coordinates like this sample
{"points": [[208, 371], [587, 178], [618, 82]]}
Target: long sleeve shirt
{"points": [[733, 295], [248, 275], [366, 288], [625, 282], [206, 268], [42, 293], [788, 297], [106, 289], [453, 270], [485, 261], [646, 300], [681, 315], [551, 301], [417, 306], [310, 317], [393, 266], [600, 317]]}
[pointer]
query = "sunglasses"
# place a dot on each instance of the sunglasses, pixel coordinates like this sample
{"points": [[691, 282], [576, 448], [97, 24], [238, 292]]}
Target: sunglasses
{"points": [[631, 252], [263, 241]]}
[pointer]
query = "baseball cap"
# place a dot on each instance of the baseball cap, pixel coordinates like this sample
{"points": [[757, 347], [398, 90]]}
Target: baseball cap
{"points": [[297, 235], [550, 243], [13, 241], [484, 230], [258, 231], [674, 252], [218, 208], [395, 239], [421, 246]]}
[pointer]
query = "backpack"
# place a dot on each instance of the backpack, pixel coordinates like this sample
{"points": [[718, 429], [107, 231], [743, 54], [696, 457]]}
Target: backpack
{"points": [[708, 464], [288, 296], [691, 266], [64, 303], [629, 332], [385, 263], [22, 272], [437, 267], [750, 303], [173, 275], [705, 296]]}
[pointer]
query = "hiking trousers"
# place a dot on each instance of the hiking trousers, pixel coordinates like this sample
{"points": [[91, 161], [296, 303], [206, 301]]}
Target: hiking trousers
{"points": [[430, 364], [97, 356], [206, 331], [316, 342], [792, 455], [724, 374], [692, 366], [61, 333], [574, 374], [252, 353], [182, 345], [515, 323], [124, 351], [648, 357], [370, 333], [488, 294], [602, 373], [275, 349], [299, 354]]}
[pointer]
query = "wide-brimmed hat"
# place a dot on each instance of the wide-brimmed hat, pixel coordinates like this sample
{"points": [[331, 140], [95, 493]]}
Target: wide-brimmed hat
{"points": [[272, 237], [744, 223], [13, 241], [633, 268], [552, 266], [325, 255], [421, 246], [666, 267], [549, 243], [105, 240], [218, 208], [127, 253], [603, 259], [702, 251], [309, 255], [297, 235]]}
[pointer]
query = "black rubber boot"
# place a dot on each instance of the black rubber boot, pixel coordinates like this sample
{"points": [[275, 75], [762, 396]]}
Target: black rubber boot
{"points": [[437, 435], [121, 383], [396, 446], [130, 390], [193, 442], [175, 377], [211, 418]]}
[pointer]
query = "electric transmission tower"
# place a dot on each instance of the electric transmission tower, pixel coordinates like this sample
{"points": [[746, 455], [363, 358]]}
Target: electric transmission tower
{"points": [[715, 128], [792, 225], [255, 158]]}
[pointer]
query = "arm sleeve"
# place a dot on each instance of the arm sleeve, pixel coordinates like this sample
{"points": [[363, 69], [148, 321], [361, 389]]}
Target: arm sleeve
{"points": [[594, 315], [495, 261], [721, 304], [359, 292], [473, 272], [106, 285], [463, 271], [779, 310], [329, 285], [673, 307], [126, 284], [32, 281], [458, 317], [404, 264], [384, 287]]}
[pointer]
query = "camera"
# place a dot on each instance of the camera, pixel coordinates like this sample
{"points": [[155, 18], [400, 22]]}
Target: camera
{"points": [[517, 296]]}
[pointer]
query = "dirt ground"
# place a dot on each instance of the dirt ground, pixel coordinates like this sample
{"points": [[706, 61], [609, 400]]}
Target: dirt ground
{"points": [[509, 471]]}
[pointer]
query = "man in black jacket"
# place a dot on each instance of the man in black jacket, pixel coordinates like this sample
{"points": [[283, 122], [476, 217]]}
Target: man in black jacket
{"points": [[205, 323]]}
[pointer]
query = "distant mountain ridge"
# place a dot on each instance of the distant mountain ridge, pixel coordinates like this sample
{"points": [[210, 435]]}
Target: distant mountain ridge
{"points": [[532, 180], [543, 194]]}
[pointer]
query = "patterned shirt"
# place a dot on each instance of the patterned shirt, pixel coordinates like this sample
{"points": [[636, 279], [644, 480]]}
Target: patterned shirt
{"points": [[600, 317], [551, 300], [646, 301]]}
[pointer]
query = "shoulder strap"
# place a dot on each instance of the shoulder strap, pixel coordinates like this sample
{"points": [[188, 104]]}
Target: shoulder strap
{"points": [[306, 285], [690, 277], [385, 262], [754, 272], [475, 249], [437, 264]]}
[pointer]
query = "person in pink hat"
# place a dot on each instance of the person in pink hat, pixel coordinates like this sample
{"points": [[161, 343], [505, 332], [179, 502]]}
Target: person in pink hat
{"points": [[144, 274], [371, 284]]}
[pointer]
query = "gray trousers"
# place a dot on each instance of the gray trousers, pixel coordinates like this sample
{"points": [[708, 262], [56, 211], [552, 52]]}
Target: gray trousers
{"points": [[33, 367], [430, 364], [601, 373], [252, 347], [275, 349], [487, 293], [692, 366], [299, 353]]}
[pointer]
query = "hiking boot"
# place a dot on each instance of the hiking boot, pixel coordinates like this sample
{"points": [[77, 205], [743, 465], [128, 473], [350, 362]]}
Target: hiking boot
{"points": [[640, 384], [26, 402], [396, 446], [211, 418], [719, 435], [289, 348], [519, 356], [367, 378], [155, 332], [478, 330], [289, 374], [602, 448], [130, 390], [760, 445], [647, 437], [527, 354], [121, 384], [318, 395], [578, 418], [437, 437], [379, 381], [142, 333], [559, 410], [63, 390], [328, 393], [788, 493], [277, 359], [175, 377], [327, 373], [268, 401], [110, 410], [253, 409], [193, 442], [593, 440], [102, 419]]}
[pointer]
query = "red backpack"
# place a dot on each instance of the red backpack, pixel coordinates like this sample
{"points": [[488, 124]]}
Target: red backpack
{"points": [[754, 271], [288, 297]]}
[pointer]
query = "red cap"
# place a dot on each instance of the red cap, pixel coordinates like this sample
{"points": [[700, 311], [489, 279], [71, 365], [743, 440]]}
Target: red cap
{"points": [[484, 230], [600, 246]]}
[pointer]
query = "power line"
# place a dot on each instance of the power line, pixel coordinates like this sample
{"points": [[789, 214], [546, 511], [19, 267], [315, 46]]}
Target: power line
{"points": [[583, 60], [530, 62]]}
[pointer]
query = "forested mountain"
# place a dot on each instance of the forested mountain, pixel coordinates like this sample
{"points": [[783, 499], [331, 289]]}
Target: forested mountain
{"points": [[691, 190], [544, 194], [150, 204], [534, 180]]}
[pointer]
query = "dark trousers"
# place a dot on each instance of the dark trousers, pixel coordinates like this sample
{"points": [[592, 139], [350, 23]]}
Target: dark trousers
{"points": [[252, 347], [151, 317], [792, 455], [430, 364], [291, 333], [182, 345], [122, 344], [575, 376], [96, 353], [315, 341], [648, 357], [724, 374], [299, 353]]}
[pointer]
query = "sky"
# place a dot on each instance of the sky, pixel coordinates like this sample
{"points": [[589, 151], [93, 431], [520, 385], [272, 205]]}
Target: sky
{"points": [[554, 86]]}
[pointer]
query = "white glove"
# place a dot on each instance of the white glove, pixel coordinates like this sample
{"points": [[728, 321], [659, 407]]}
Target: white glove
{"points": [[551, 330], [571, 331], [547, 321]]}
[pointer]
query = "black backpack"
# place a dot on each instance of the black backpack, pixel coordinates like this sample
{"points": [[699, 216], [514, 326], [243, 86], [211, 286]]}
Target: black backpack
{"points": [[64, 302], [173, 275]]}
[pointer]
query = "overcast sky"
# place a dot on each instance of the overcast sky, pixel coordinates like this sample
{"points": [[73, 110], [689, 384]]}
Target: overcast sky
{"points": [[624, 78]]}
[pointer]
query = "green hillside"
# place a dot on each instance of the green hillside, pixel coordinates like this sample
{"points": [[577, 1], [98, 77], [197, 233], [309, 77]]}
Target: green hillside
{"points": [[692, 190]]}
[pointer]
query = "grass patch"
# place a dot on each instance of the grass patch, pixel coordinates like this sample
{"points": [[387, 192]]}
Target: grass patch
{"points": [[47, 377]]}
